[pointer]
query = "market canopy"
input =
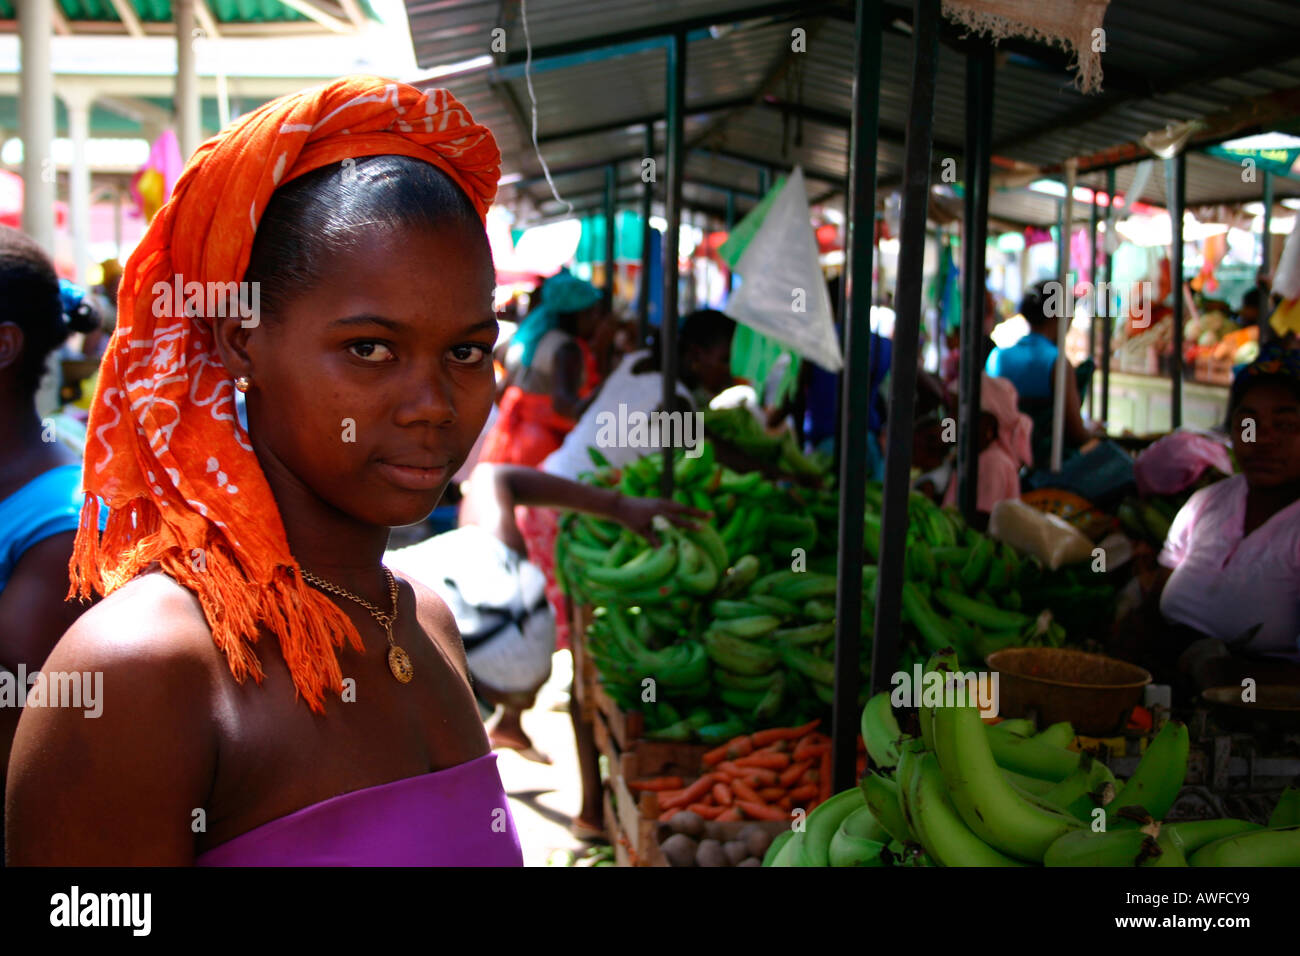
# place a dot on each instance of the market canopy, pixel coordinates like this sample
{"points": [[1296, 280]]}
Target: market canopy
{"points": [[761, 96]]}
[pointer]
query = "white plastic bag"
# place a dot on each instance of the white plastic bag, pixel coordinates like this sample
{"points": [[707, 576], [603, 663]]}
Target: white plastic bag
{"points": [[783, 294], [1052, 540]]}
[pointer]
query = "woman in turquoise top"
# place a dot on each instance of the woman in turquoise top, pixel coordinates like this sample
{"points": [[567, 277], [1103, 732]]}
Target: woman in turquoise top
{"points": [[1030, 365], [40, 479]]}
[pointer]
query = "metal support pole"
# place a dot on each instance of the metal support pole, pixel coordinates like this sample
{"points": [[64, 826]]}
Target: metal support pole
{"points": [[731, 224], [1266, 333], [1063, 321], [855, 391], [36, 118], [78, 103], [1176, 274], [674, 105], [647, 236], [1098, 291], [764, 181], [188, 127], [926, 21], [611, 225], [1108, 323], [979, 137]]}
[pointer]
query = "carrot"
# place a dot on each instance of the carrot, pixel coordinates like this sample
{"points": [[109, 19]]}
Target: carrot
{"points": [[766, 761], [826, 775], [760, 811], [691, 794], [729, 815], [725, 776], [668, 815], [665, 795], [764, 737], [722, 794], [704, 810], [657, 783], [786, 803], [771, 794], [807, 792], [813, 752], [737, 747], [764, 776], [744, 791], [729, 766], [806, 747], [796, 770]]}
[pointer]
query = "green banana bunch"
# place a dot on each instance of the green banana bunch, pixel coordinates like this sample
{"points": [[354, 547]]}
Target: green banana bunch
{"points": [[739, 576], [1271, 847], [1158, 778], [1058, 735], [1191, 835], [1030, 756], [756, 625], [1092, 785], [881, 794], [1111, 848], [739, 655], [1287, 811], [648, 568], [880, 731], [824, 821], [947, 839], [987, 803]]}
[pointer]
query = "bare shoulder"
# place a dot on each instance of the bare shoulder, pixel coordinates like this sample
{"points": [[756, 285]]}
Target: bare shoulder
{"points": [[439, 623], [125, 733]]}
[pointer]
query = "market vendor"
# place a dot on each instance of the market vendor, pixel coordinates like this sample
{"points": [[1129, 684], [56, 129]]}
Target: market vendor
{"points": [[1030, 365], [1230, 567], [1004, 439], [552, 371]]}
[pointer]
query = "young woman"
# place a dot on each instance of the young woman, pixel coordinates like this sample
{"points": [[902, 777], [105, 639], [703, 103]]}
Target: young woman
{"points": [[1230, 565], [40, 479], [272, 694]]}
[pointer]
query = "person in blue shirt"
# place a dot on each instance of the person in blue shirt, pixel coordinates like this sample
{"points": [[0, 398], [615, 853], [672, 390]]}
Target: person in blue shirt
{"points": [[40, 478], [1030, 365]]}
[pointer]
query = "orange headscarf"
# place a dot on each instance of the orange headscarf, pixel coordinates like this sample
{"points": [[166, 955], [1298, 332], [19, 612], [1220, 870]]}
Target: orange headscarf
{"points": [[165, 451]]}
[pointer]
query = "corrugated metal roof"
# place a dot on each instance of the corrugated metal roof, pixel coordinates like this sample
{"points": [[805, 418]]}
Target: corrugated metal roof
{"points": [[1166, 61]]}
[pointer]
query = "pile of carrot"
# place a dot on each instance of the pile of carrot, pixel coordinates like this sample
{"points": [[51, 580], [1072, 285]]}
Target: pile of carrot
{"points": [[758, 776]]}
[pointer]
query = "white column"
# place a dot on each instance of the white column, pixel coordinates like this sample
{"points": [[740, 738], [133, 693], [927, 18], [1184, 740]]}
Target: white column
{"points": [[188, 128], [36, 118], [78, 101]]}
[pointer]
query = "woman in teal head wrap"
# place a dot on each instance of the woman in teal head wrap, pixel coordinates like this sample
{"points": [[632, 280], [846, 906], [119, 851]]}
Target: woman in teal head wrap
{"points": [[553, 371]]}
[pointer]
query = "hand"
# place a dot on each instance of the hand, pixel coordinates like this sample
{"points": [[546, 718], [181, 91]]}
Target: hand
{"points": [[637, 514]]}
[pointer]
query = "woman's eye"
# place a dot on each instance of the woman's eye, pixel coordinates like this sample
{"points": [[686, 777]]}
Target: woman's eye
{"points": [[469, 354], [371, 351]]}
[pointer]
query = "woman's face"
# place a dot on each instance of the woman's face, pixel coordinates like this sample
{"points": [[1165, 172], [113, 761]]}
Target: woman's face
{"points": [[371, 388], [1266, 436]]}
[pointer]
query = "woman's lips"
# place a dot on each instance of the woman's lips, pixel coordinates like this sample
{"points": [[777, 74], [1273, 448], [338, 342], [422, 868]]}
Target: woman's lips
{"points": [[413, 478]]}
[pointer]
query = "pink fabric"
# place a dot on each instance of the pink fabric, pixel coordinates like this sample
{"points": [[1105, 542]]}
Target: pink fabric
{"points": [[998, 397], [453, 817], [999, 479], [1177, 461], [1223, 583]]}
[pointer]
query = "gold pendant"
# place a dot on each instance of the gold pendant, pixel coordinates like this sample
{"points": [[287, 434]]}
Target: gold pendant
{"points": [[400, 664]]}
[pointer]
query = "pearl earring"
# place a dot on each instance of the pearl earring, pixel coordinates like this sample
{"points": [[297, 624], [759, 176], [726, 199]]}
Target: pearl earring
{"points": [[242, 383]]}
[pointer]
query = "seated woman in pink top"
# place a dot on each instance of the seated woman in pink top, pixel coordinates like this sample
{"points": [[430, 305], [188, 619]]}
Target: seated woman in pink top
{"points": [[1231, 563], [1005, 446], [271, 693]]}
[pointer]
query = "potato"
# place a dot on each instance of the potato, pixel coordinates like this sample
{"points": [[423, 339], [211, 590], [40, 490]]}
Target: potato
{"points": [[679, 850], [750, 861], [735, 851], [756, 839], [715, 831], [710, 854], [692, 824]]}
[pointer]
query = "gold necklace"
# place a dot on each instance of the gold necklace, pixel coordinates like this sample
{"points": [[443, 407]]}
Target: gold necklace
{"points": [[398, 661]]}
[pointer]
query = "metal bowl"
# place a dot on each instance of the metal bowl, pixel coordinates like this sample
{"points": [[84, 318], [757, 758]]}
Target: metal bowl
{"points": [[1094, 693]]}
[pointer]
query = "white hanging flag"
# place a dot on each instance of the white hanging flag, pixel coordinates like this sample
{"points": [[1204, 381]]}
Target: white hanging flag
{"points": [[783, 294]]}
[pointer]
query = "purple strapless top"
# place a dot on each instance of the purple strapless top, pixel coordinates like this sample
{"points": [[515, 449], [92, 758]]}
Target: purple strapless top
{"points": [[453, 817]]}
